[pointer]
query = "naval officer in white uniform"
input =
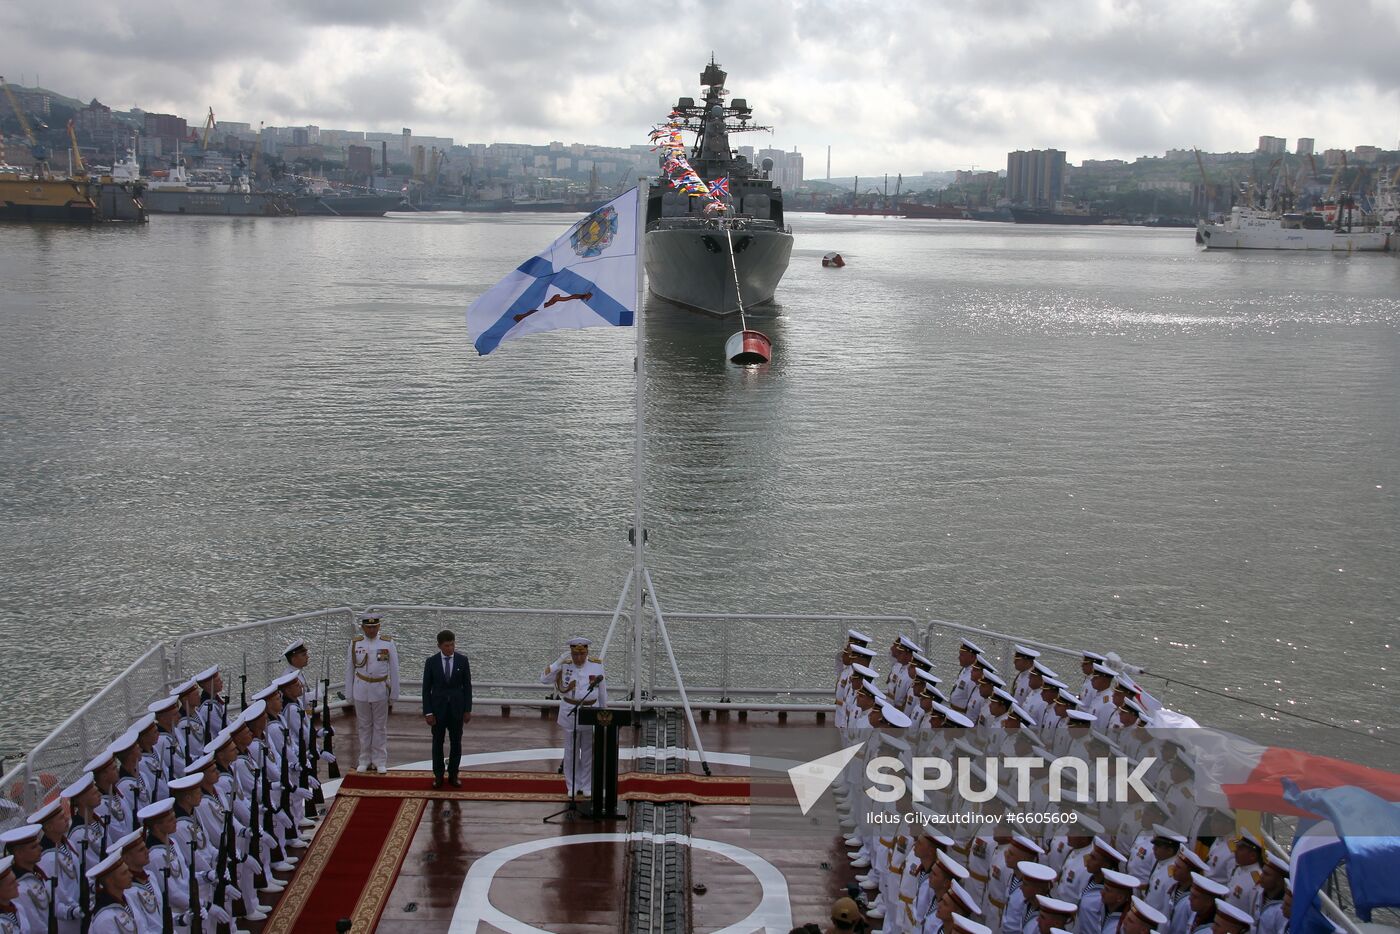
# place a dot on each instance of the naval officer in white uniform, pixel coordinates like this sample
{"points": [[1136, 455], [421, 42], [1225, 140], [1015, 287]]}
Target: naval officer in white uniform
{"points": [[372, 681], [578, 680]]}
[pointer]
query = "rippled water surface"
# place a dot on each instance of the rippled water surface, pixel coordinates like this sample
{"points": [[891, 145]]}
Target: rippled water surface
{"points": [[1091, 436]]}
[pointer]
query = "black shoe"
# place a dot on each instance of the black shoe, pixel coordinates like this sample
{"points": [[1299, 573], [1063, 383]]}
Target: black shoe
{"points": [[437, 782], [455, 782]]}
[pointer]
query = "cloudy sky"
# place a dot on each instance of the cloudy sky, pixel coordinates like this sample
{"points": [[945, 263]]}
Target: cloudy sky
{"points": [[901, 85]]}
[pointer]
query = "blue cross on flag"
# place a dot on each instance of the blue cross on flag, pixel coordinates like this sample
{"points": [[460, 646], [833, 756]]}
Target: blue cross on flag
{"points": [[587, 278]]}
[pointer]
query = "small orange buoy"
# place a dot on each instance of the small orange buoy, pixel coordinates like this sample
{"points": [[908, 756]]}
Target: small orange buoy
{"points": [[748, 348], [833, 261]]}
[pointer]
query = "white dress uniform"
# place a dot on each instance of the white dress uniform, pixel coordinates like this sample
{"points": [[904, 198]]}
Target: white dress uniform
{"points": [[113, 918], [1244, 886], [11, 922], [372, 676], [62, 860], [572, 682], [33, 900], [1270, 919], [962, 689], [145, 902]]}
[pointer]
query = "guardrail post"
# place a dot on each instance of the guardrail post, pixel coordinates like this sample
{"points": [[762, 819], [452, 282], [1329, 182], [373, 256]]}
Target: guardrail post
{"points": [[724, 661]]}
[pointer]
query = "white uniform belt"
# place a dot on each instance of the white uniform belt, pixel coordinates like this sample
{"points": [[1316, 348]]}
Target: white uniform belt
{"points": [[371, 680]]}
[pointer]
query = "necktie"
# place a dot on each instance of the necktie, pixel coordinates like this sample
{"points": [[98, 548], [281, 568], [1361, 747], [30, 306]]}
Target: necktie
{"points": [[447, 666]]}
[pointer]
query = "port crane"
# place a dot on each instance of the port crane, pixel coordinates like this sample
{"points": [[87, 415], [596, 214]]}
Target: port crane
{"points": [[79, 170], [38, 150], [208, 125]]}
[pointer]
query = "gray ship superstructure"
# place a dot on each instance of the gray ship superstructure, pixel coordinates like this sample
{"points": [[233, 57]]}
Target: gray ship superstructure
{"points": [[693, 259]]}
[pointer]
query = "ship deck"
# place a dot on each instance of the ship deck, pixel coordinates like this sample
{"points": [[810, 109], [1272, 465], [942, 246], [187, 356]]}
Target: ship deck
{"points": [[554, 886]]}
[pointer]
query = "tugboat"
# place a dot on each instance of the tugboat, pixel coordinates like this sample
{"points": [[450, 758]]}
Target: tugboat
{"points": [[717, 264]]}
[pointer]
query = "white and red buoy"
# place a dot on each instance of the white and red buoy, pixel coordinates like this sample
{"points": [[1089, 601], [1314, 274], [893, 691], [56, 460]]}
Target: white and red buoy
{"points": [[833, 261], [748, 347]]}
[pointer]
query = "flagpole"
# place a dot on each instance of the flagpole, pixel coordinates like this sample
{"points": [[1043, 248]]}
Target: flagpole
{"points": [[639, 454]]}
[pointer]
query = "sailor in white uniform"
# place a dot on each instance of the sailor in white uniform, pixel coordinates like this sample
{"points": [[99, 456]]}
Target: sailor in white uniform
{"points": [[1022, 659], [298, 658], [60, 860], [372, 680], [1273, 886], [11, 922], [578, 680], [146, 897], [111, 878], [1142, 918], [22, 843], [1244, 880], [966, 682]]}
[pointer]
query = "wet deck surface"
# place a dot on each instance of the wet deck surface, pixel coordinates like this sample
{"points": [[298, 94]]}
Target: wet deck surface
{"points": [[582, 887]]}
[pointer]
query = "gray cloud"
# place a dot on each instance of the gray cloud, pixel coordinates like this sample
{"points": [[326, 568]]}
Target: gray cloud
{"points": [[908, 84]]}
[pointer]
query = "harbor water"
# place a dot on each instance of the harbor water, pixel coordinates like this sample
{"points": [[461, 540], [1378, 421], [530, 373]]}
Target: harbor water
{"points": [[1096, 437]]}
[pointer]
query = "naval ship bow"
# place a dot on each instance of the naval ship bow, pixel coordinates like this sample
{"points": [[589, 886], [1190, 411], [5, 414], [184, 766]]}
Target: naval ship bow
{"points": [[717, 264]]}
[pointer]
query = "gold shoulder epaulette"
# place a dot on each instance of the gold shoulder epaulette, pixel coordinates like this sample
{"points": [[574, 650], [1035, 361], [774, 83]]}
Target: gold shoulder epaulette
{"points": [[595, 659], [387, 638], [357, 639]]}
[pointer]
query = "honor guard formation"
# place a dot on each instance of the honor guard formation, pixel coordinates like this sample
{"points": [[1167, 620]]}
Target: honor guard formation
{"points": [[1123, 868], [182, 821]]}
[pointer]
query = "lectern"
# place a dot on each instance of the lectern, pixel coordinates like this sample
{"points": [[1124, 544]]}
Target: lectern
{"points": [[605, 723]]}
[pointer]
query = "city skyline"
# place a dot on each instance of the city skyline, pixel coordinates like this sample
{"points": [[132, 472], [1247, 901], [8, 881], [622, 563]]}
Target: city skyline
{"points": [[902, 87]]}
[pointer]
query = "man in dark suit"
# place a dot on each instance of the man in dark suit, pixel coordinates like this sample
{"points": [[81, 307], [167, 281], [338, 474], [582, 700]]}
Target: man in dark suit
{"points": [[447, 703]]}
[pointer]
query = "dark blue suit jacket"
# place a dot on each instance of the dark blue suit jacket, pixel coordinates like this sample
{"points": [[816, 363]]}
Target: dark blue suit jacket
{"points": [[444, 699]]}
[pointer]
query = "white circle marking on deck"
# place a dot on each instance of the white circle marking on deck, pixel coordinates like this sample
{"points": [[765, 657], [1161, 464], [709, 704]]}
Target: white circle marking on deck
{"points": [[773, 914]]}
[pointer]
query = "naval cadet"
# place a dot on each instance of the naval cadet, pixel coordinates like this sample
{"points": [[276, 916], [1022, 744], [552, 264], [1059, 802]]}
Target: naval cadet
{"points": [[1269, 917], [60, 860], [10, 919], [1166, 845], [1022, 909], [966, 682], [111, 878], [146, 897], [1230, 919], [1142, 918], [22, 843], [578, 680], [1023, 659], [298, 657], [213, 706], [372, 678], [1118, 891]]}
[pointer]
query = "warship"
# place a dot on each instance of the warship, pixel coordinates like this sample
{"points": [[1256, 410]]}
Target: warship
{"points": [[708, 263]]}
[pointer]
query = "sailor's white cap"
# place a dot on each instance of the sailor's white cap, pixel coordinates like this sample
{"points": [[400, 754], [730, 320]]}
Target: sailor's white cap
{"points": [[1132, 705], [155, 809], [128, 840], [967, 926], [44, 813], [971, 646], [286, 679], [1022, 714], [1278, 862], [930, 829], [184, 687], [143, 723], [957, 718], [921, 660], [996, 679], [266, 692], [908, 643], [83, 783], [1250, 839], [894, 716], [5, 863], [1025, 651], [256, 709], [1003, 695], [1209, 885], [165, 703], [1037, 871], [124, 742], [112, 861], [894, 742], [1066, 698], [962, 895], [1056, 906], [864, 671], [1106, 848], [24, 833], [186, 782], [579, 640], [967, 749], [855, 635], [1044, 670], [1052, 684], [862, 651], [1093, 656], [1080, 716], [1122, 880], [1087, 823], [367, 617], [206, 674], [293, 647], [1122, 682], [928, 677], [1192, 859], [1027, 844], [1152, 916], [873, 689], [1100, 669], [1166, 833], [100, 761], [197, 766], [952, 866], [1236, 915]]}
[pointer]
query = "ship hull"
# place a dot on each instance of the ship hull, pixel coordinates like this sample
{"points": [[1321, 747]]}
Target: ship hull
{"points": [[1029, 216], [50, 200], [230, 203], [1222, 237], [686, 270], [348, 206]]}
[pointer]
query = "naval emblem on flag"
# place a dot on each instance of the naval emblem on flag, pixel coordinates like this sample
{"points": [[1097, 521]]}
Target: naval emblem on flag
{"points": [[587, 278]]}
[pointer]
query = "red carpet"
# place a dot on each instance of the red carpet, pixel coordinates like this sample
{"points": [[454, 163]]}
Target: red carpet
{"points": [[545, 786], [350, 867]]}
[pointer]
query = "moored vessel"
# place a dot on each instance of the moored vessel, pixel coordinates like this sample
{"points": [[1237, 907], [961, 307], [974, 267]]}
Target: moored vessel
{"points": [[717, 262], [1254, 229]]}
